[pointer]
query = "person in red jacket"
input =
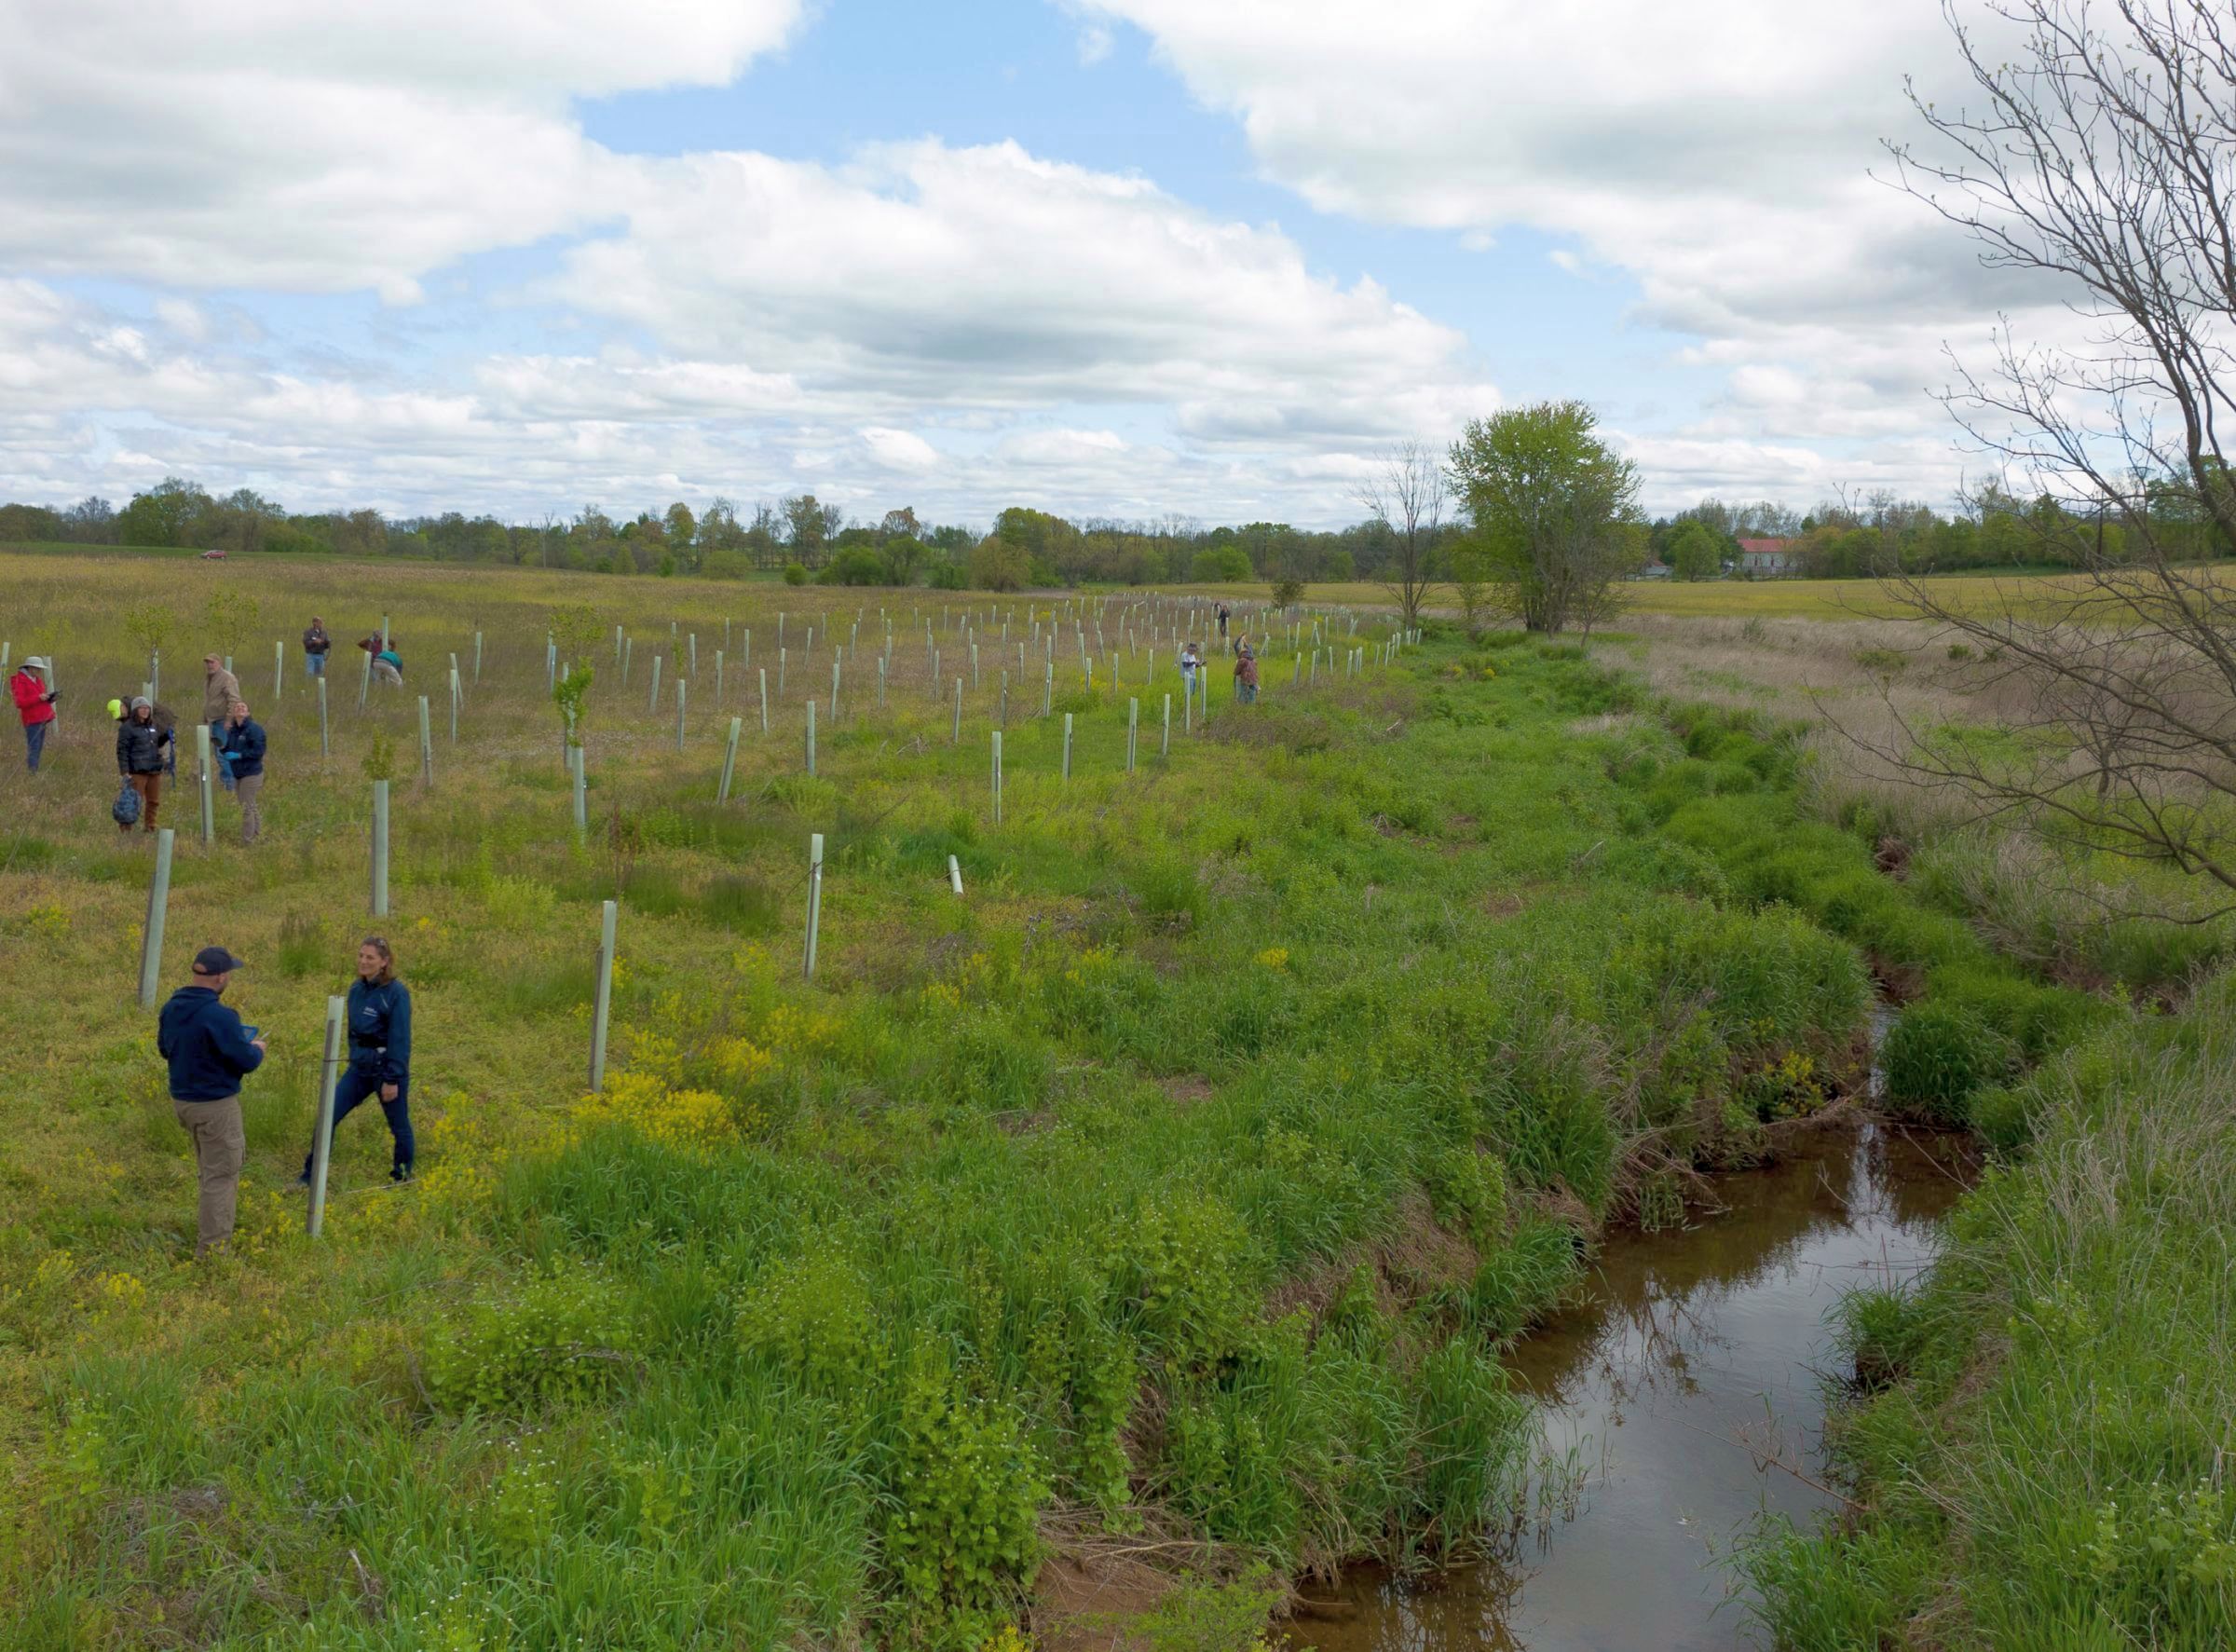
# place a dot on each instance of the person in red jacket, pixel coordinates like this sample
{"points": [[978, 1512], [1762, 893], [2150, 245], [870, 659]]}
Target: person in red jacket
{"points": [[34, 703]]}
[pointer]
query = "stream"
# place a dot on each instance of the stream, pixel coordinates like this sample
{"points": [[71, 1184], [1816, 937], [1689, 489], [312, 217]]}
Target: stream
{"points": [[1684, 1375]]}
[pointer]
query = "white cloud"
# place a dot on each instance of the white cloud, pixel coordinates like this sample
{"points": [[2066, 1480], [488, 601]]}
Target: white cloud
{"points": [[900, 450], [354, 144], [961, 322], [1718, 153], [91, 402], [988, 277]]}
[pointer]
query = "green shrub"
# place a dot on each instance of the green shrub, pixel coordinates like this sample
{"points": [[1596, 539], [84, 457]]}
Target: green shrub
{"points": [[1469, 1191], [813, 1316], [1937, 1055], [1516, 1285], [794, 574], [1882, 1331], [742, 903], [302, 944], [965, 1491], [568, 1336], [2038, 1019], [1178, 1271]]}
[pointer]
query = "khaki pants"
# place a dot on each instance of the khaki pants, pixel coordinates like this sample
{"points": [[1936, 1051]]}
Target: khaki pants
{"points": [[252, 817], [220, 1145]]}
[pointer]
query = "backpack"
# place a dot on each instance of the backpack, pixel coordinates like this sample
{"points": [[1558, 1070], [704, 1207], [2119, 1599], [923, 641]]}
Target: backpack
{"points": [[124, 811]]}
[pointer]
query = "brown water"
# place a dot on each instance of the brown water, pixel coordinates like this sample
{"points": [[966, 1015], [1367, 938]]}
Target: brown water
{"points": [[1684, 1387]]}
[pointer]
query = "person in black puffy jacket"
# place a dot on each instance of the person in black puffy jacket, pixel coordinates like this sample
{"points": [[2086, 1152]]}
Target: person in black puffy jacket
{"points": [[143, 753]]}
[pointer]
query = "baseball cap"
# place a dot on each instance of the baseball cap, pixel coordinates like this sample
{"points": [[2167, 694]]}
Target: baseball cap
{"points": [[214, 960]]}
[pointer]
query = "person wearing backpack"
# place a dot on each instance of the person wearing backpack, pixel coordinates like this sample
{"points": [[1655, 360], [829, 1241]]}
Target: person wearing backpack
{"points": [[34, 703], [143, 747]]}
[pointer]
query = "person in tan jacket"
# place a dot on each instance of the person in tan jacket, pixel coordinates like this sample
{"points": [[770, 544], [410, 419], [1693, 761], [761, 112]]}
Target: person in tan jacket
{"points": [[220, 689]]}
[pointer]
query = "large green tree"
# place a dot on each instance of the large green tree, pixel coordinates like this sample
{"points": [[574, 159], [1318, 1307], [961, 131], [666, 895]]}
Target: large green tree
{"points": [[1695, 552], [1555, 508]]}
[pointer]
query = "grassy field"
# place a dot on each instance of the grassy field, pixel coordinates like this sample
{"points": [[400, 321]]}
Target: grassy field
{"points": [[1761, 599], [1171, 1191]]}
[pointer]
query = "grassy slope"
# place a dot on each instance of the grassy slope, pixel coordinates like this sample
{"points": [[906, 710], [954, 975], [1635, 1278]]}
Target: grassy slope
{"points": [[1347, 1009], [2050, 1466], [1341, 1011], [1805, 599]]}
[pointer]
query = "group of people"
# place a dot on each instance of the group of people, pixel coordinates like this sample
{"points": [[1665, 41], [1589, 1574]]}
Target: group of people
{"points": [[147, 750], [147, 732], [209, 1051], [1246, 669]]}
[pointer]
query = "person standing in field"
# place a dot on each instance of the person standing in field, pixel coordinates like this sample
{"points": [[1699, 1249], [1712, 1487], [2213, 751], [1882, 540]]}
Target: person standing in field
{"points": [[35, 700], [143, 746], [380, 1055], [1245, 674], [315, 646], [210, 1053], [1223, 612], [1191, 663], [220, 690], [244, 755]]}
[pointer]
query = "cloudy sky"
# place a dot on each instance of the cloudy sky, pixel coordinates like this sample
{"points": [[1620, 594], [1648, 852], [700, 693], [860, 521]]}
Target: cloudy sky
{"points": [[1105, 257]]}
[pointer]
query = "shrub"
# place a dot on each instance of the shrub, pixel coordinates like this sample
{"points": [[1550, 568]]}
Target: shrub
{"points": [[302, 944], [794, 574], [857, 564], [813, 1316], [741, 902], [1516, 1285], [966, 1493], [1883, 1331], [1937, 1055], [1178, 1264], [567, 1335]]}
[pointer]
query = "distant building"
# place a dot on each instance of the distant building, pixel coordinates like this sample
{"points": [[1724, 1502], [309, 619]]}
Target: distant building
{"points": [[1768, 556], [1656, 570]]}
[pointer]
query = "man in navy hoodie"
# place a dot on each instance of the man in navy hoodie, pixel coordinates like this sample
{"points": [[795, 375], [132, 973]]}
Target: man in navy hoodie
{"points": [[210, 1053]]}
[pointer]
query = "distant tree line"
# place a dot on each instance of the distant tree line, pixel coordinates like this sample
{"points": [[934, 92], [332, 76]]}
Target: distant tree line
{"points": [[806, 539], [799, 535], [1881, 536]]}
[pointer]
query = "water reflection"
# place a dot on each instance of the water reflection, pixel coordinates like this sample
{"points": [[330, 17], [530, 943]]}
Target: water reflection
{"points": [[1686, 1386]]}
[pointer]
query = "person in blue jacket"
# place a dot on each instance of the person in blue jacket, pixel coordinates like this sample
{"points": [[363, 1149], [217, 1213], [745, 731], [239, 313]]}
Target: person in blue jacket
{"points": [[243, 751], [210, 1053], [380, 1054]]}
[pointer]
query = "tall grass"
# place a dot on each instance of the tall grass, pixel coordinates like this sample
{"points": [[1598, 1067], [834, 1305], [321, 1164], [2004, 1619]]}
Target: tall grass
{"points": [[2049, 1466], [1189, 1171]]}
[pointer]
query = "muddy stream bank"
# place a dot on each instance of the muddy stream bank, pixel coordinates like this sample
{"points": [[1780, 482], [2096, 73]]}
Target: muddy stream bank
{"points": [[1677, 1385]]}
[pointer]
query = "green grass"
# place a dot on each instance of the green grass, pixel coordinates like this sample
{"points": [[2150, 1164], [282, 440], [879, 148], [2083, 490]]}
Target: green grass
{"points": [[2049, 1464], [1188, 1173]]}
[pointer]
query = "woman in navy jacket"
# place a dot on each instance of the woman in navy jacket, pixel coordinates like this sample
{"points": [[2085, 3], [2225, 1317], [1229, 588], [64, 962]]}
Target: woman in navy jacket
{"points": [[380, 1053]]}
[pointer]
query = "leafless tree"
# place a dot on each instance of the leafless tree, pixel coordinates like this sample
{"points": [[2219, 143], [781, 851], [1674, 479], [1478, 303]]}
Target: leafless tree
{"points": [[1405, 493], [2103, 157]]}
